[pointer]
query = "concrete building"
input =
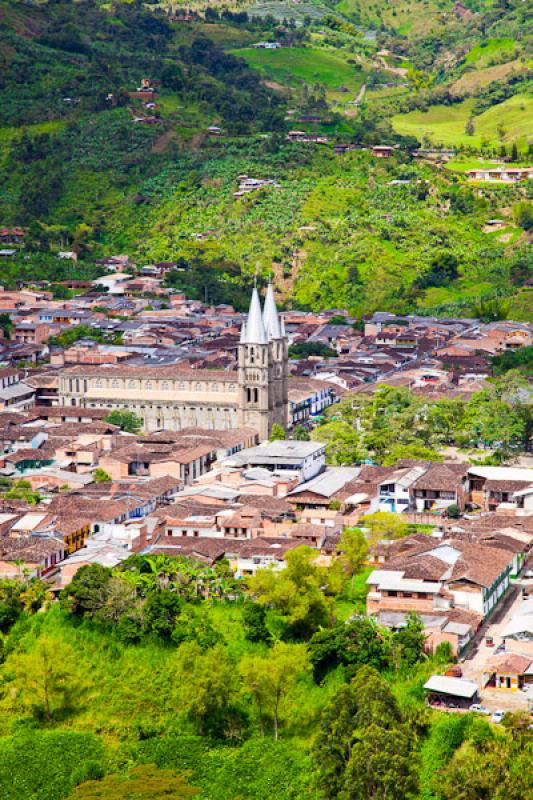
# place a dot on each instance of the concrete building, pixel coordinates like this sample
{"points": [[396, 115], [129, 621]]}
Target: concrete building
{"points": [[292, 459], [173, 398]]}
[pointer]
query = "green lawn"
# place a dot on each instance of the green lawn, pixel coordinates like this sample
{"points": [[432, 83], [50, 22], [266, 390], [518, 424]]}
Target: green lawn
{"points": [[446, 124], [293, 65]]}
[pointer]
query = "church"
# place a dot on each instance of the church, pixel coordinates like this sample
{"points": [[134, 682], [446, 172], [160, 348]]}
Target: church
{"points": [[173, 398]]}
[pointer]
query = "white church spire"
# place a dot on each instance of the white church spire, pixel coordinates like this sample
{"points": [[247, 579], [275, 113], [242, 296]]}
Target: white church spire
{"points": [[254, 328], [271, 320]]}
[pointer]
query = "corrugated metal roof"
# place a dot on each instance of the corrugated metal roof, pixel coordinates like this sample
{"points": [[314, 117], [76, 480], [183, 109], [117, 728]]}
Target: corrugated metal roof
{"points": [[455, 687], [328, 482]]}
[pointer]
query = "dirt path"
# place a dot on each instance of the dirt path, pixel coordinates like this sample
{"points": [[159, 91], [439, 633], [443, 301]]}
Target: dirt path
{"points": [[284, 283], [163, 141]]}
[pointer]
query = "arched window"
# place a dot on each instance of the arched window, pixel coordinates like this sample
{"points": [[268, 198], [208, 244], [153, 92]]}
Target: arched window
{"points": [[164, 386], [131, 384], [98, 383], [198, 387], [148, 384]]}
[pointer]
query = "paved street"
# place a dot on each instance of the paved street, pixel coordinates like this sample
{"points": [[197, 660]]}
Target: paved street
{"points": [[473, 666]]}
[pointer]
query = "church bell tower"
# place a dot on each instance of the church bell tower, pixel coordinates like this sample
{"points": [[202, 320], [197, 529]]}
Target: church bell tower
{"points": [[263, 367]]}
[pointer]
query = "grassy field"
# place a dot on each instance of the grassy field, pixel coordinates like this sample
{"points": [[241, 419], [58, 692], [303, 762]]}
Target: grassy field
{"points": [[293, 65], [406, 16], [287, 11], [471, 80], [446, 124], [483, 54]]}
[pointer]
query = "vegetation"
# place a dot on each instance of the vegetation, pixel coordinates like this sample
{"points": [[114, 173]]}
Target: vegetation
{"points": [[164, 674], [393, 423], [127, 421], [80, 174]]}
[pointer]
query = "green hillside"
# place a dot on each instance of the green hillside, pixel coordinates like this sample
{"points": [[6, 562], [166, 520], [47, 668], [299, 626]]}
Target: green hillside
{"points": [[504, 123], [82, 168], [312, 65]]}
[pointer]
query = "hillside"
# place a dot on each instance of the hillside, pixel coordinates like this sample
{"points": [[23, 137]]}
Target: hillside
{"points": [[87, 163]]}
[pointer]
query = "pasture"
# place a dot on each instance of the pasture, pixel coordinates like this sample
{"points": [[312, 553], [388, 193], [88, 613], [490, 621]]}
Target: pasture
{"points": [[291, 66], [446, 125]]}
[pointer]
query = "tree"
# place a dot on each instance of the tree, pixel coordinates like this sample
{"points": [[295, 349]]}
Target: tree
{"points": [[101, 476], [408, 642], [364, 749], [469, 127], [295, 594], [6, 325], [11, 605], [300, 434], [270, 680], [411, 451], [208, 689], [343, 444], [278, 433], [352, 549], [307, 349], [43, 679], [523, 214], [88, 590], [254, 619], [127, 421], [145, 782], [382, 524], [350, 644]]}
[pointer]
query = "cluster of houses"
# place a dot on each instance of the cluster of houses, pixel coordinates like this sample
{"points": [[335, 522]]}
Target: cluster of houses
{"points": [[131, 319], [247, 185], [75, 489], [222, 494]]}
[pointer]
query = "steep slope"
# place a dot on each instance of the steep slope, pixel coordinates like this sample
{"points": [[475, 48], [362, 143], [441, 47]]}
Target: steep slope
{"points": [[88, 163]]}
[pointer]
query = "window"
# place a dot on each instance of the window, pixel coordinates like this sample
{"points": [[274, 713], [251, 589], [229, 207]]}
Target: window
{"points": [[98, 383], [181, 385], [131, 384], [164, 386], [114, 384], [198, 387], [148, 384]]}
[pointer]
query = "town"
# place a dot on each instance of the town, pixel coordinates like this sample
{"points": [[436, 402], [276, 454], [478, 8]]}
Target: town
{"points": [[266, 359], [191, 430]]}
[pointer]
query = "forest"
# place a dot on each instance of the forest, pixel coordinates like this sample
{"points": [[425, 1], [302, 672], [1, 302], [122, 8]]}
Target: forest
{"points": [[166, 677]]}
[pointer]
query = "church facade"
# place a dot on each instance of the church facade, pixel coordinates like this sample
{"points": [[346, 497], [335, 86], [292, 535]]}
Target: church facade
{"points": [[172, 398]]}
